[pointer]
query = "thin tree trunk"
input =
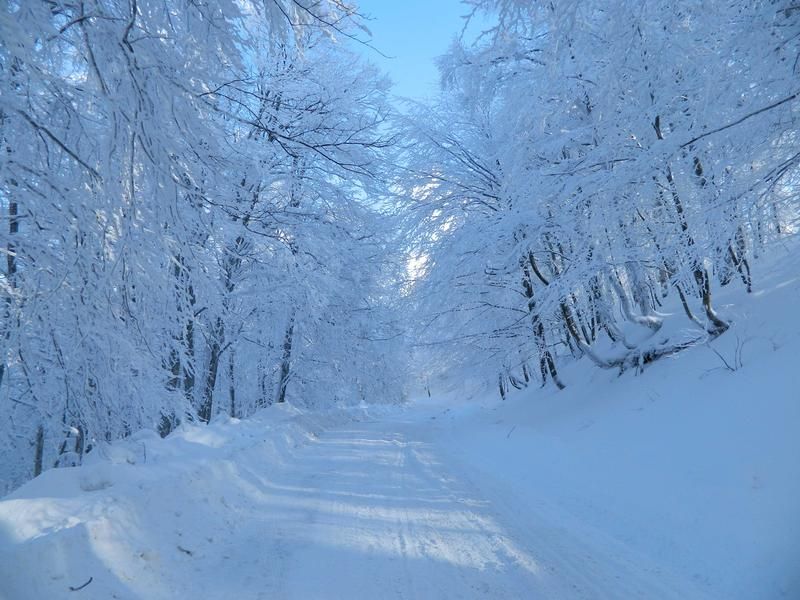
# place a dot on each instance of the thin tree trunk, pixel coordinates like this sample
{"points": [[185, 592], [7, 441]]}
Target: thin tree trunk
{"points": [[231, 383], [39, 451], [700, 273], [11, 271], [189, 367], [207, 404], [263, 399], [547, 366], [286, 361]]}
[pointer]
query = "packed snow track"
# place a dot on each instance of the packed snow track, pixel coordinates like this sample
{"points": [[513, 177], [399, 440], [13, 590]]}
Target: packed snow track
{"points": [[365, 509], [374, 512]]}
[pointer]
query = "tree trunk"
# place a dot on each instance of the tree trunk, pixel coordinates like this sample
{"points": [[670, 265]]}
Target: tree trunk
{"points": [[207, 405], [286, 360], [231, 384], [700, 273], [188, 367], [547, 366], [39, 451], [11, 271]]}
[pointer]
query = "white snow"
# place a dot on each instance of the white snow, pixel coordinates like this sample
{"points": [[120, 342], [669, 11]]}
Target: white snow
{"points": [[681, 482]]}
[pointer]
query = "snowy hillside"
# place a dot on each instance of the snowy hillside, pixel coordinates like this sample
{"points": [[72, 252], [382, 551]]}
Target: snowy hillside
{"points": [[681, 482], [691, 464]]}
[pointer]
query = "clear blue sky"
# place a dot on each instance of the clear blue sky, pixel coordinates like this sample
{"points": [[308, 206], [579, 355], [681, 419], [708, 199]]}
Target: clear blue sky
{"points": [[414, 33]]}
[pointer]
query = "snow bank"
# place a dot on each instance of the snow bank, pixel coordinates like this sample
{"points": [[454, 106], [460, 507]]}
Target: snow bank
{"points": [[136, 510]]}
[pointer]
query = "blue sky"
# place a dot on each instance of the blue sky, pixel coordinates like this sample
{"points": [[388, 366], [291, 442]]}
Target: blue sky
{"points": [[414, 33]]}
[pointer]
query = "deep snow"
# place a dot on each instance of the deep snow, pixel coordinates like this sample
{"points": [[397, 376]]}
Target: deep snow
{"points": [[679, 482]]}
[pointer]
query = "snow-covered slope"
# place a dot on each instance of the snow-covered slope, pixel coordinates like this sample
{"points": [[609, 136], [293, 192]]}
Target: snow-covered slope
{"points": [[679, 482], [691, 464]]}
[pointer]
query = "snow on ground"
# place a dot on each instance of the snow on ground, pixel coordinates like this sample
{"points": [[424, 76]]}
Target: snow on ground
{"points": [[368, 509], [157, 518], [689, 464], [680, 482]]}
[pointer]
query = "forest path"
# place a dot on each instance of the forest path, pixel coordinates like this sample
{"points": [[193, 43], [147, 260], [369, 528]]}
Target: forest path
{"points": [[371, 512], [282, 506], [384, 510]]}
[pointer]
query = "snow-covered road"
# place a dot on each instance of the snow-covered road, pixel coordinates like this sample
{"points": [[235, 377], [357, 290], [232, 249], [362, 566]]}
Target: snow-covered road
{"points": [[369, 508], [373, 511]]}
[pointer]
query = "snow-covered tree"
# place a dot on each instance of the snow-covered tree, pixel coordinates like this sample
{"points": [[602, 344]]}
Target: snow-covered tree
{"points": [[186, 192], [589, 162]]}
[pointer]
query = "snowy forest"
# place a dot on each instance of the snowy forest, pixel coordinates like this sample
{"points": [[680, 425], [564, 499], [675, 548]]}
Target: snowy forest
{"points": [[213, 207], [208, 208], [189, 230]]}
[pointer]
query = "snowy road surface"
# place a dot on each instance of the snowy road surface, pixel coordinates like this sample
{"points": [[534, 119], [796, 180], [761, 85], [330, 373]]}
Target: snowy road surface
{"points": [[366, 509], [374, 512]]}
